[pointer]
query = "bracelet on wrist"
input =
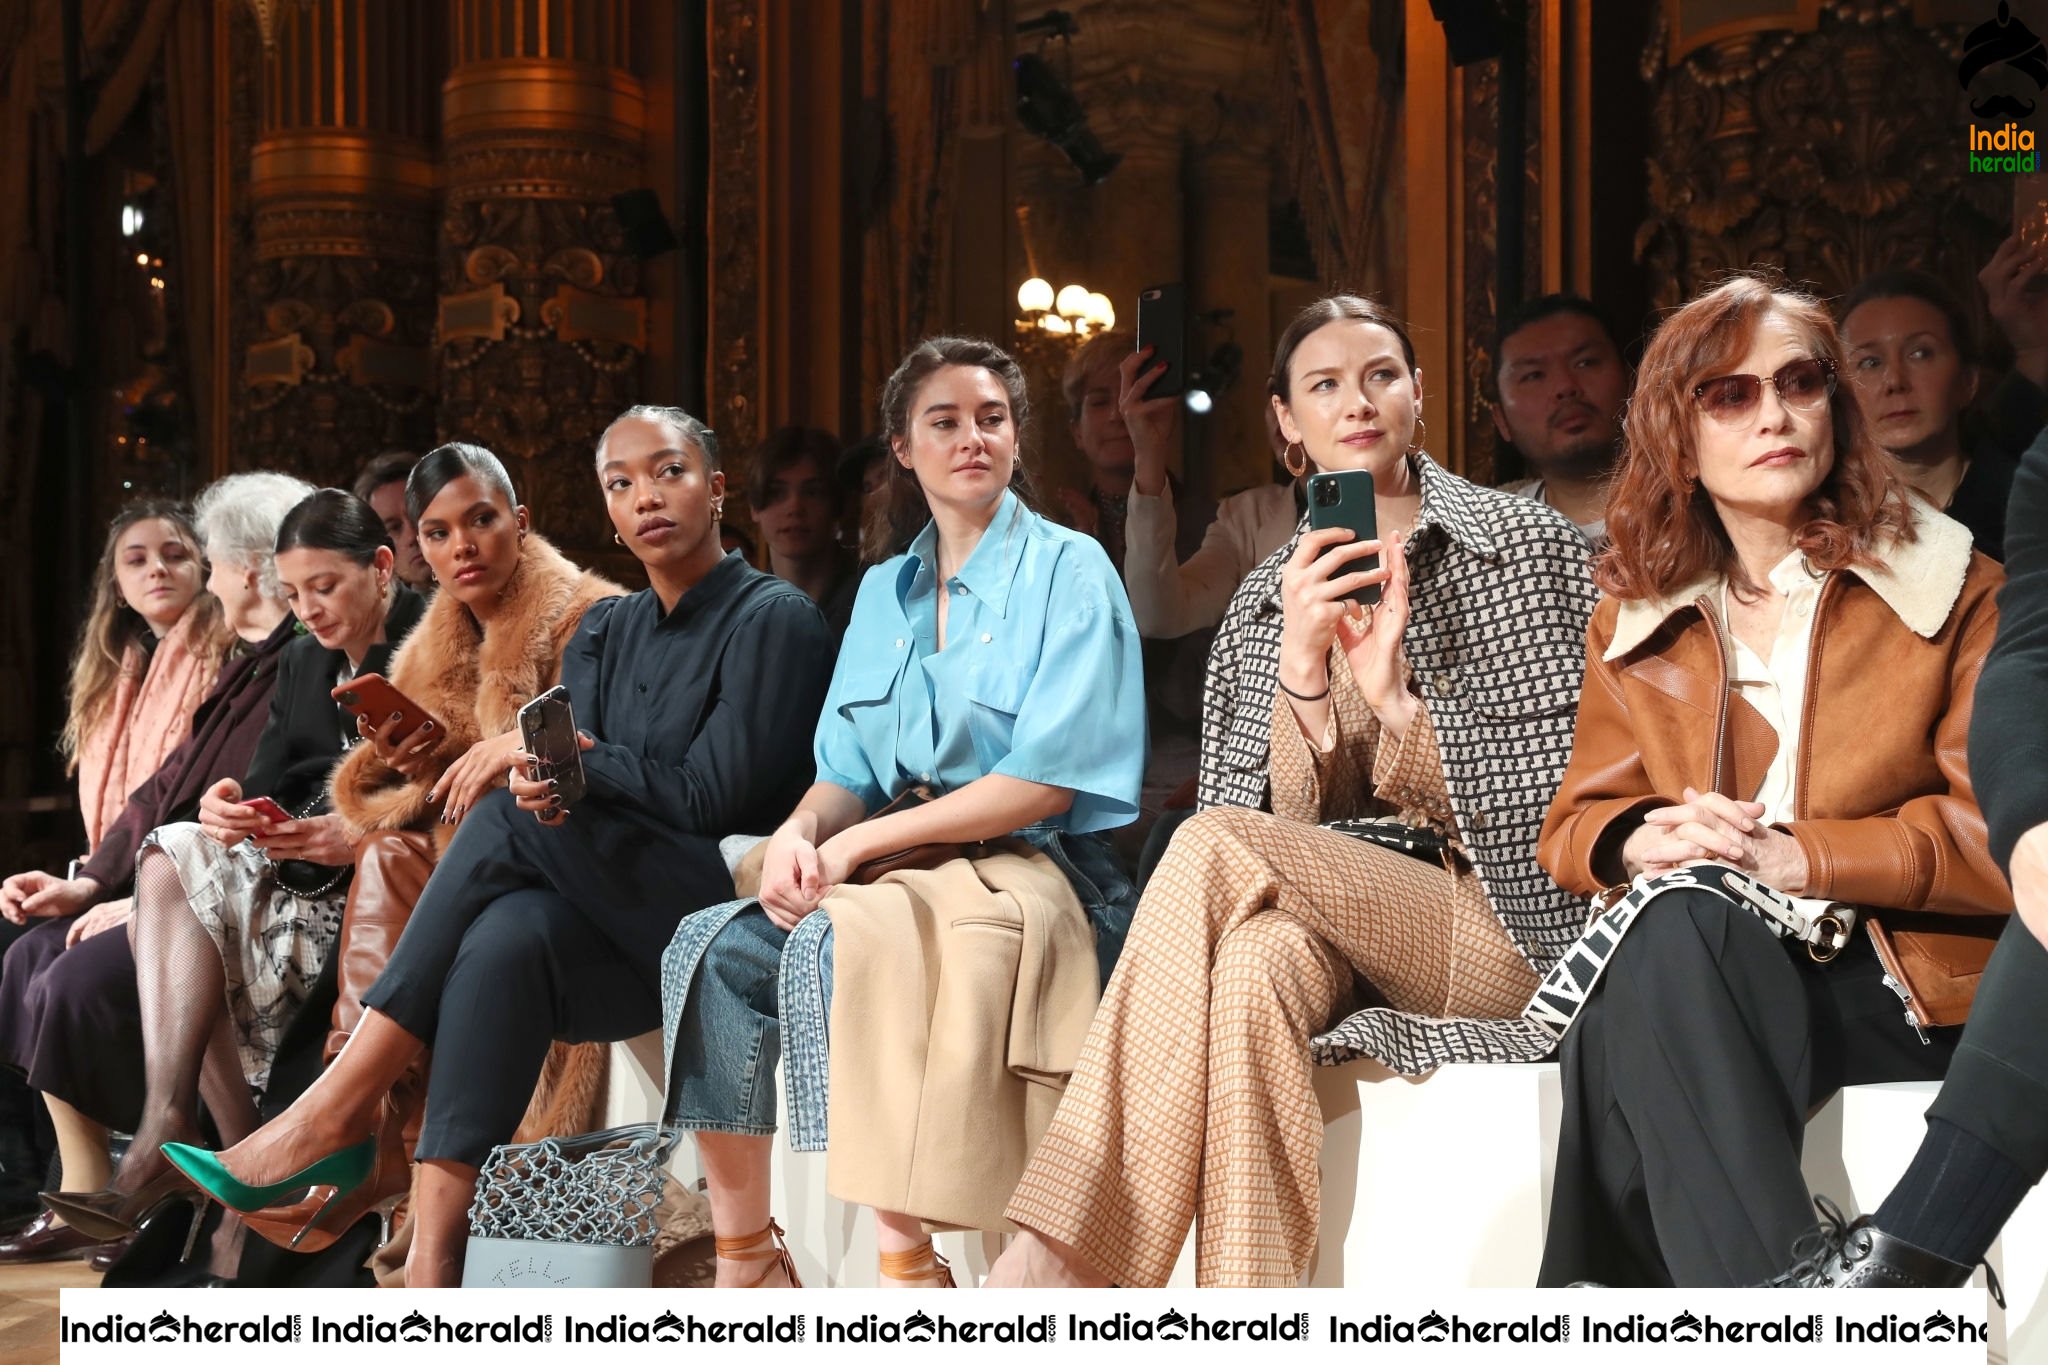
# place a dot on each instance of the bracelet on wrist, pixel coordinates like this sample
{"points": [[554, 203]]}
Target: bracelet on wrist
{"points": [[1303, 696]]}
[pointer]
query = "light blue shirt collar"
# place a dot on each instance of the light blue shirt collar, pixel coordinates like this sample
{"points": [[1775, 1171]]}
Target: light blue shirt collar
{"points": [[989, 571]]}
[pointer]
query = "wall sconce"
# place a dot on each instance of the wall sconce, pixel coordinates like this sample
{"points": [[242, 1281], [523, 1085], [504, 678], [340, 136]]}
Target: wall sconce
{"points": [[1074, 314]]}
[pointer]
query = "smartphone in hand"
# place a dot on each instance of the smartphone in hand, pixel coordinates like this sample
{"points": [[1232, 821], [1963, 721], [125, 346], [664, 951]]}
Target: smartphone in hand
{"points": [[268, 809], [371, 697], [1163, 325], [547, 725], [1343, 497]]}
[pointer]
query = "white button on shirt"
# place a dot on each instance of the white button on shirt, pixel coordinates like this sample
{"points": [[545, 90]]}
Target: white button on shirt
{"points": [[1776, 686]]}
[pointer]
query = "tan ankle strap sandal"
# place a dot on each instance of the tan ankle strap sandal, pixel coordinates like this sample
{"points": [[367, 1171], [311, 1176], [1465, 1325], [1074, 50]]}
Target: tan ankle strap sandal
{"points": [[747, 1249], [921, 1263]]}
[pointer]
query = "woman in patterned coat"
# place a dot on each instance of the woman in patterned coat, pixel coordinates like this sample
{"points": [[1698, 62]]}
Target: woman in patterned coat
{"points": [[1448, 705]]}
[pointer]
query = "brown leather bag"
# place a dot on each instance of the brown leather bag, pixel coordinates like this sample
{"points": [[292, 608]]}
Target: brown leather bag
{"points": [[1936, 959], [746, 877], [918, 857]]}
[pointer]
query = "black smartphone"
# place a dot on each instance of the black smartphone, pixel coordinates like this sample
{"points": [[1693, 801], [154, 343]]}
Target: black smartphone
{"points": [[548, 726], [1343, 497], [1163, 325]]}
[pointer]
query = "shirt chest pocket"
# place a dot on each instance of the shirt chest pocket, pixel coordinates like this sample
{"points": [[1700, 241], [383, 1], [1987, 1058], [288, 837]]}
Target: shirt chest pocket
{"points": [[867, 703], [994, 695]]}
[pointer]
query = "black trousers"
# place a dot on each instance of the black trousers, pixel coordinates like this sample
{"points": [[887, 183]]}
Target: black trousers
{"points": [[524, 935], [1687, 1082], [1997, 1087]]}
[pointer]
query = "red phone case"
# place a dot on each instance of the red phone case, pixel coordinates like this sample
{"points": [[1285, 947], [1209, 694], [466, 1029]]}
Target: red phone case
{"points": [[268, 809]]}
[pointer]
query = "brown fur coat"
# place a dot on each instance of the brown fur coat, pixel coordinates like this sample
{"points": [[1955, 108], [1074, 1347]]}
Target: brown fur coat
{"points": [[472, 681]]}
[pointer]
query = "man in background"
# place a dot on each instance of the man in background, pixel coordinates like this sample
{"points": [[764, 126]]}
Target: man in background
{"points": [[1562, 386]]}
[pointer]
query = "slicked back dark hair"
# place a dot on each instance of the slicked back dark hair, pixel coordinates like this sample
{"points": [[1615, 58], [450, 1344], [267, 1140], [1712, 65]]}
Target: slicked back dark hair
{"points": [[443, 465], [337, 520], [1320, 314], [690, 430]]}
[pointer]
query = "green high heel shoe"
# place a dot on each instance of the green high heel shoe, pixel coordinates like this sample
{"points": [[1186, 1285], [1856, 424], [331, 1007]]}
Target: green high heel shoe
{"points": [[340, 1171]]}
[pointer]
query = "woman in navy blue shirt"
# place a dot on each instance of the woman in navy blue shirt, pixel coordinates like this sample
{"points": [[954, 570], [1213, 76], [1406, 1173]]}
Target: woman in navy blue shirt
{"points": [[693, 722]]}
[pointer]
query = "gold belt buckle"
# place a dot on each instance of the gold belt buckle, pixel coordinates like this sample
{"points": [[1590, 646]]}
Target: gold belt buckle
{"points": [[1829, 948]]}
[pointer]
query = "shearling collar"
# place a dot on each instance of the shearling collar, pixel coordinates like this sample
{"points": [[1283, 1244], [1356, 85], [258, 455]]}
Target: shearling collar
{"points": [[1920, 580]]}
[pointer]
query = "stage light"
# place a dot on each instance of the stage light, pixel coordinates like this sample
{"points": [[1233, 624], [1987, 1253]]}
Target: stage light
{"points": [[1199, 402]]}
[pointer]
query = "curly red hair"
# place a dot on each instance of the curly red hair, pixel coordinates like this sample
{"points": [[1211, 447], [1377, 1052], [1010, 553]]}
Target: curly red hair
{"points": [[1662, 524]]}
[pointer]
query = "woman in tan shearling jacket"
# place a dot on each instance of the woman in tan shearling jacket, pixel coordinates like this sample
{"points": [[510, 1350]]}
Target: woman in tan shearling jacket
{"points": [[491, 641], [1779, 681]]}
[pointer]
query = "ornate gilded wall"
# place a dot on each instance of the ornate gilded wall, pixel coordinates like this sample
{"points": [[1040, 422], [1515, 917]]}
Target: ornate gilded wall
{"points": [[1837, 151], [338, 295], [542, 317]]}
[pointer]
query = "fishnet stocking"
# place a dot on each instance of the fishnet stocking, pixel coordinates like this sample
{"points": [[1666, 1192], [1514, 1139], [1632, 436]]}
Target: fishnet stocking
{"points": [[189, 1053]]}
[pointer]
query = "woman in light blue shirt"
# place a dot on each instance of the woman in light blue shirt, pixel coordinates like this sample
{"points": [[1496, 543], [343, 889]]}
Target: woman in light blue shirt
{"points": [[995, 667]]}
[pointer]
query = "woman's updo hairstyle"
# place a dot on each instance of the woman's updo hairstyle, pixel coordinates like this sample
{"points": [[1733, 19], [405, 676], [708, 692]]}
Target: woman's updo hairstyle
{"points": [[443, 465], [1321, 313], [908, 510], [690, 431], [332, 519]]}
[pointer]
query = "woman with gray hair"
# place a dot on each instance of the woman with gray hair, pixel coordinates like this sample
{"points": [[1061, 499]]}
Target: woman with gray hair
{"points": [[69, 1015]]}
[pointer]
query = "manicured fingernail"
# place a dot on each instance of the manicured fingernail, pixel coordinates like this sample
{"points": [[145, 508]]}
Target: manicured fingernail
{"points": [[554, 800], [426, 725], [553, 785], [394, 715]]}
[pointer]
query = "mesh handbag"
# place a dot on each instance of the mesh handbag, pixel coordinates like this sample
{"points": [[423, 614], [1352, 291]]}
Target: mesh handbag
{"points": [[569, 1212]]}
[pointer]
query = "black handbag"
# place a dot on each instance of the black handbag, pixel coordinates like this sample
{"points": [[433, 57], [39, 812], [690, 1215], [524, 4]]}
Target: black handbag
{"points": [[1417, 841]]}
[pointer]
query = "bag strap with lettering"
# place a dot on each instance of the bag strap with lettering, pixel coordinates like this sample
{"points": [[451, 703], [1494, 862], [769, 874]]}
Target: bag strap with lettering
{"points": [[1823, 926]]}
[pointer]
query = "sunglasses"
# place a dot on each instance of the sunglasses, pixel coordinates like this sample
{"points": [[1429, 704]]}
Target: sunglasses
{"points": [[1802, 385]]}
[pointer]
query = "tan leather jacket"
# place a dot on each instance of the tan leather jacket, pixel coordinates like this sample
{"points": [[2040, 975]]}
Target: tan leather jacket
{"points": [[1884, 808]]}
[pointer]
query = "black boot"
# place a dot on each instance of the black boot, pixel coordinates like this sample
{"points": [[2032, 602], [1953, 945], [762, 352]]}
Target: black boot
{"points": [[1839, 1254]]}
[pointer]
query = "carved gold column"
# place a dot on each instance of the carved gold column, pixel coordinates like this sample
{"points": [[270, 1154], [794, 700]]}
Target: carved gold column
{"points": [[341, 184], [543, 318]]}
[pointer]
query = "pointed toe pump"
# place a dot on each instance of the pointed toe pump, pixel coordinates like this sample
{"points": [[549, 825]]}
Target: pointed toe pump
{"points": [[340, 1172]]}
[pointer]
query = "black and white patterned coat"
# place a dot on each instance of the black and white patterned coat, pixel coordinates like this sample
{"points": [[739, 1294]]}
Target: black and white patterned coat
{"points": [[1501, 591]]}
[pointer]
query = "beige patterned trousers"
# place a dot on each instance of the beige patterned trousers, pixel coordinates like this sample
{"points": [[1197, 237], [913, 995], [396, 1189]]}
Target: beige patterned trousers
{"points": [[1193, 1097]]}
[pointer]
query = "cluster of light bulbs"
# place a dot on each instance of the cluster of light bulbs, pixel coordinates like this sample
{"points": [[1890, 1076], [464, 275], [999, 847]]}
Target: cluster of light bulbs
{"points": [[1074, 311]]}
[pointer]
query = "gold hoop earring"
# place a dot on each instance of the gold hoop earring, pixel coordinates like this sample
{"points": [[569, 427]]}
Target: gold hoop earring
{"points": [[1287, 459], [616, 540], [1421, 434]]}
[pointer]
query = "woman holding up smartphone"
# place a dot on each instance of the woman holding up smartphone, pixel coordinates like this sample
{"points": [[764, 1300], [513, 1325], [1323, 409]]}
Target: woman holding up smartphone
{"points": [[1447, 707], [694, 706], [235, 913], [994, 666], [492, 639]]}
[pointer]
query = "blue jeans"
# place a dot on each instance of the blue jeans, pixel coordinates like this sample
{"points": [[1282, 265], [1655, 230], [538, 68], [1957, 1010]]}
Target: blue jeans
{"points": [[729, 1039]]}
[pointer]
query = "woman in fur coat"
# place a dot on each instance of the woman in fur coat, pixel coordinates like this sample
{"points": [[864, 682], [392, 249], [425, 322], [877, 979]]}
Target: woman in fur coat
{"points": [[490, 643]]}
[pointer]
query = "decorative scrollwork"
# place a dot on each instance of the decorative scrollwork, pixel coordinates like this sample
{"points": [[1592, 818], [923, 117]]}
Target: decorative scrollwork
{"points": [[1830, 154]]}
